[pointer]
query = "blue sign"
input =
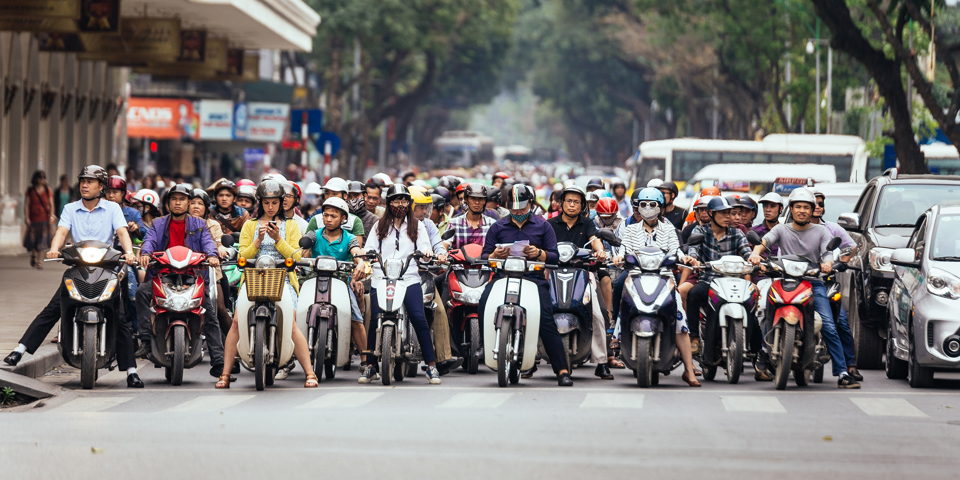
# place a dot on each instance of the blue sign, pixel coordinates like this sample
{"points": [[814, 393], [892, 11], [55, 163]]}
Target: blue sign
{"points": [[252, 156], [328, 137], [240, 116], [314, 121], [782, 188]]}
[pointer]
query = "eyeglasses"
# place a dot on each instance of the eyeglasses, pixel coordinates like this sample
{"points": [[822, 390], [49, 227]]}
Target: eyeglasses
{"points": [[652, 204], [572, 202]]}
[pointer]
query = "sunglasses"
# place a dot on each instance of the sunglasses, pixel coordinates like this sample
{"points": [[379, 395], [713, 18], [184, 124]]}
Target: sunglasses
{"points": [[820, 204], [648, 204]]}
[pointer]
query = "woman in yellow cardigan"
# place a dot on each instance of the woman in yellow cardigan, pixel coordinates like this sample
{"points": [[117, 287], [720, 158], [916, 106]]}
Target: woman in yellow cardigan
{"points": [[262, 236]]}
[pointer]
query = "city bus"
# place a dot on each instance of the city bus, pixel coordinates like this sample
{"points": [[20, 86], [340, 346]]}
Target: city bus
{"points": [[462, 149], [679, 159]]}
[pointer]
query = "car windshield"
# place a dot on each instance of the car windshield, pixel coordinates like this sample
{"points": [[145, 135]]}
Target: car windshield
{"points": [[946, 239], [901, 205], [835, 205]]}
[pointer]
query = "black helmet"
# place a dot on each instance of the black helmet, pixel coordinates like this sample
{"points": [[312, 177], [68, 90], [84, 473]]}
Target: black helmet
{"points": [[669, 186], [475, 190], [518, 197], [398, 190], [94, 171], [493, 195], [449, 182], [355, 187], [595, 182], [269, 189], [184, 188], [201, 193], [438, 201], [443, 192]]}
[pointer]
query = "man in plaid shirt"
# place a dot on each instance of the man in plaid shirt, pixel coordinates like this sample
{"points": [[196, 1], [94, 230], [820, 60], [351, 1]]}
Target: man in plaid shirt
{"points": [[472, 226], [720, 238]]}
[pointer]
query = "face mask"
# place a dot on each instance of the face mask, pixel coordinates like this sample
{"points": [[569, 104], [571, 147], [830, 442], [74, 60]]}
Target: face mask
{"points": [[357, 205], [649, 213], [593, 214], [520, 218], [399, 212]]}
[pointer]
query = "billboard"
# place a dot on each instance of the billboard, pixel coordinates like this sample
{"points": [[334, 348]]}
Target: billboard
{"points": [[161, 118], [266, 122], [216, 120]]}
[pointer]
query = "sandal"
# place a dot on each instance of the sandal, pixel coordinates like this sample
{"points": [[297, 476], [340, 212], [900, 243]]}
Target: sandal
{"points": [[312, 381], [690, 381], [614, 362], [224, 381]]}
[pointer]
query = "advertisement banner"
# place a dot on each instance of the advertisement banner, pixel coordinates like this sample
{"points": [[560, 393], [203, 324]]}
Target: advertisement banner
{"points": [[216, 120], [266, 122], [161, 118], [40, 8], [240, 121], [140, 40]]}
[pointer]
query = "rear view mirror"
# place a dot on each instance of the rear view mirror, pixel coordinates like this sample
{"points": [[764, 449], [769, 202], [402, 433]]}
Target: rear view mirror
{"points": [[754, 238], [849, 222], [833, 243], [227, 240], [448, 234], [694, 240], [904, 257], [609, 237], [307, 241]]}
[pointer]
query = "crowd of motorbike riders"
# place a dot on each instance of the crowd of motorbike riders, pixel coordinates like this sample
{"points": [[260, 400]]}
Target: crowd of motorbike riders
{"points": [[456, 223]]}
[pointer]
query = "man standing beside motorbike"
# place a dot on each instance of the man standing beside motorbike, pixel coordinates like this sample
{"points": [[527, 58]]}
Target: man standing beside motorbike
{"points": [[801, 237], [179, 229], [521, 225], [89, 218]]}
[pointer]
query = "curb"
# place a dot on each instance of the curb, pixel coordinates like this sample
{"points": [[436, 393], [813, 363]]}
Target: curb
{"points": [[45, 359]]}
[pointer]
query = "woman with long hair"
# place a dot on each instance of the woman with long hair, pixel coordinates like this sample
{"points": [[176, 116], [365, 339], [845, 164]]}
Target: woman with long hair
{"points": [[38, 212]]}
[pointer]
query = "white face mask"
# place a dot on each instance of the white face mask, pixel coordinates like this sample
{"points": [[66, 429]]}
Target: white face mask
{"points": [[649, 213]]}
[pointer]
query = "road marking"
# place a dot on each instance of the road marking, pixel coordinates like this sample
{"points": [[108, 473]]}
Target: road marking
{"points": [[612, 400], [887, 407], [476, 400], [343, 400], [754, 403], [210, 402], [90, 404]]}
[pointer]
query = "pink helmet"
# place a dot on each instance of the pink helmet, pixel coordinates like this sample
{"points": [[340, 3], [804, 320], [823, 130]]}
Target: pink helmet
{"points": [[246, 182]]}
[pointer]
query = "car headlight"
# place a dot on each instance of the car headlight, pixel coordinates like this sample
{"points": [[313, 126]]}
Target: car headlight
{"points": [[566, 252], [880, 259], [514, 265], [266, 261], [108, 291], [943, 284], [92, 255], [795, 269], [651, 262], [392, 268], [326, 264]]}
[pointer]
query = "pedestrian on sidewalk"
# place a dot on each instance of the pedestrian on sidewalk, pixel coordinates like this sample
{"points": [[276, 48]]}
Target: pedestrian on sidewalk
{"points": [[38, 214], [63, 195]]}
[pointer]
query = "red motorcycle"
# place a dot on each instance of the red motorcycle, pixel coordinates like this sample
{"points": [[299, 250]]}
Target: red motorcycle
{"points": [[467, 278], [178, 290]]}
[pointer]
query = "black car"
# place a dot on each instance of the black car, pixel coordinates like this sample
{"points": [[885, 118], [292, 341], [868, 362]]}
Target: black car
{"points": [[883, 219]]}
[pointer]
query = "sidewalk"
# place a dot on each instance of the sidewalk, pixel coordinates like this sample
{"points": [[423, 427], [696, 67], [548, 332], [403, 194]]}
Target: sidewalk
{"points": [[24, 291]]}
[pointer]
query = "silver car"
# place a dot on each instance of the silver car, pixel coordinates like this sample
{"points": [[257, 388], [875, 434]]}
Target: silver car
{"points": [[924, 306]]}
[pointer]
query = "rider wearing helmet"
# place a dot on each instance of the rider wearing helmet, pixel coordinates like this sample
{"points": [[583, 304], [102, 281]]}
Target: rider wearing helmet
{"points": [[149, 202], [115, 192], [749, 207], [619, 190], [498, 179], [226, 212], [802, 237], [573, 226], [493, 204], [592, 199], [542, 247], [472, 226], [357, 194], [291, 203], [247, 199], [772, 205], [334, 188], [701, 216], [595, 183], [672, 213]]}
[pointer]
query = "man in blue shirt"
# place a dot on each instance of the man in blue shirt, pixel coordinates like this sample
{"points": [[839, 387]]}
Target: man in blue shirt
{"points": [[89, 218], [522, 225]]}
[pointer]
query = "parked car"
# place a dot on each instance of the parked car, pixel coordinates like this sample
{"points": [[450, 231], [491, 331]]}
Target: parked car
{"points": [[924, 328], [882, 221]]}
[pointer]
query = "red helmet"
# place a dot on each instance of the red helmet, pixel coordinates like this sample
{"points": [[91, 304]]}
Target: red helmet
{"points": [[501, 175], [710, 191], [462, 187], [116, 182], [607, 206], [246, 182]]}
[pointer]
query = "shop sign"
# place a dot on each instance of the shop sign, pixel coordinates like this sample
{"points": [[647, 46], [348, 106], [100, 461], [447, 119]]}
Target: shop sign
{"points": [[216, 120], [267, 122], [161, 118]]}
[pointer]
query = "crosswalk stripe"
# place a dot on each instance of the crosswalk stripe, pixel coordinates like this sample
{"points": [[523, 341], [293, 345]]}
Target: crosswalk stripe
{"points": [[476, 400], [753, 403], [887, 407], [90, 404], [343, 400], [209, 402], [613, 400]]}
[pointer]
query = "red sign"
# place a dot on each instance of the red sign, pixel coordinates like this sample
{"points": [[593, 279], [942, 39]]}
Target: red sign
{"points": [[161, 118]]}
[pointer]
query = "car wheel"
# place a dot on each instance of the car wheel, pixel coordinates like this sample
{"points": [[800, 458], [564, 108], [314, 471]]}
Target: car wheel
{"points": [[868, 345], [895, 368], [919, 377]]}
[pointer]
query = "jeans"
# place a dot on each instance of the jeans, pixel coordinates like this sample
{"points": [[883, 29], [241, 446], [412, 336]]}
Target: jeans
{"points": [[618, 295], [210, 329], [846, 338], [413, 302], [829, 329]]}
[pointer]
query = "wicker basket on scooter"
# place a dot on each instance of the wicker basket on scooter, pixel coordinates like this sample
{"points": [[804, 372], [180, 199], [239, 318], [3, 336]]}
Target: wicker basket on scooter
{"points": [[264, 284]]}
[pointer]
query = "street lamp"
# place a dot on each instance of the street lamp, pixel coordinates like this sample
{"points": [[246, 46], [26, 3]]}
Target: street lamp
{"points": [[813, 46]]}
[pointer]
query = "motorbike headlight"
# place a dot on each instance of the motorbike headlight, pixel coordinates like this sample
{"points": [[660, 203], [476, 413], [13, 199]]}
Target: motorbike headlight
{"points": [[74, 294], [943, 284], [326, 264], [108, 291], [566, 252], [880, 259], [651, 262], [392, 268], [795, 269], [514, 265], [92, 255], [471, 296], [266, 261], [180, 300]]}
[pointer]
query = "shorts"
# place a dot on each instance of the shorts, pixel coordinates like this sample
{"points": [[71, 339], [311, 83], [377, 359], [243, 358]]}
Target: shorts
{"points": [[354, 307], [602, 273]]}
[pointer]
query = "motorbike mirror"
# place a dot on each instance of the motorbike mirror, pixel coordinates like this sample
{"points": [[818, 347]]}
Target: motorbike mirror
{"points": [[695, 239], [227, 240], [609, 237], [307, 241], [833, 243], [448, 234], [753, 238], [670, 261]]}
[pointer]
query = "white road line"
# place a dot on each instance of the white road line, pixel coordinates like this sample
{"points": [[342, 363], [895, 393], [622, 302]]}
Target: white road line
{"points": [[613, 400], [753, 403], [209, 402], [90, 404], [476, 400], [343, 400], [887, 407]]}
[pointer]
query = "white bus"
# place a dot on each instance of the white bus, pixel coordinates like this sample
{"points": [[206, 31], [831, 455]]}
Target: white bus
{"points": [[942, 159], [679, 159], [462, 149]]}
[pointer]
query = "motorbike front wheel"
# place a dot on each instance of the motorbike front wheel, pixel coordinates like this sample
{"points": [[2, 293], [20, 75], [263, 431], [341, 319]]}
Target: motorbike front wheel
{"points": [[784, 367], [88, 361], [645, 362], [260, 355], [505, 356], [735, 341], [320, 348], [386, 354], [473, 360], [179, 354]]}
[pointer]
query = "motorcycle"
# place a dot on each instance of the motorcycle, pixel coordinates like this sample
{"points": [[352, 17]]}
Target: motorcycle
{"points": [[572, 295], [397, 345], [89, 305], [178, 290], [511, 319], [467, 278], [324, 310], [731, 298], [266, 317]]}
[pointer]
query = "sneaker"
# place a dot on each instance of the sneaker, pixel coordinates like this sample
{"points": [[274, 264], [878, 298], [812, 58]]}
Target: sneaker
{"points": [[282, 374], [433, 375], [847, 381], [368, 374], [856, 374]]}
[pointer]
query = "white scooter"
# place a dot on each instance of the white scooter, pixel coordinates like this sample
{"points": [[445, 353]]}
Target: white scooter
{"points": [[511, 319]]}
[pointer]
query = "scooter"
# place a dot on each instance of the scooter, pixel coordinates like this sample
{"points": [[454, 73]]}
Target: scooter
{"points": [[731, 299], [648, 316], [89, 305], [323, 311], [572, 295], [266, 317], [511, 319], [178, 290], [467, 278]]}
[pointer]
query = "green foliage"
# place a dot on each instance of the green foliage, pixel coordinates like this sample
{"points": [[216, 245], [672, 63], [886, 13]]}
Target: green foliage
{"points": [[7, 396]]}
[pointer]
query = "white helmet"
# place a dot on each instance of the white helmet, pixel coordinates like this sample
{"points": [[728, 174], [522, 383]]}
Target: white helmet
{"points": [[274, 176], [313, 188], [772, 197], [148, 196], [801, 194], [384, 178], [336, 184], [656, 182], [337, 202]]}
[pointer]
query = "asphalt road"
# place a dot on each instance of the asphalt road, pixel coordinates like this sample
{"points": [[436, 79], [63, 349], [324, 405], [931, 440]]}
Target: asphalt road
{"points": [[469, 428]]}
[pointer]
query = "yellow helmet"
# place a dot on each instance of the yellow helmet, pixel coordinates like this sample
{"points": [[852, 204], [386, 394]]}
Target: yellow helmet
{"points": [[419, 195]]}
